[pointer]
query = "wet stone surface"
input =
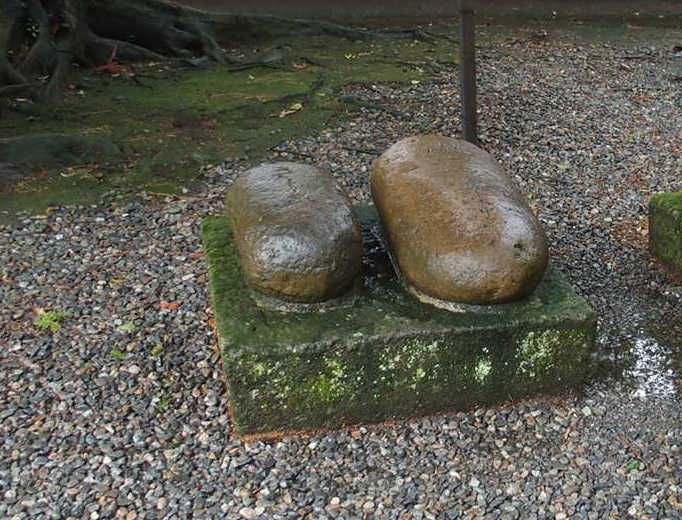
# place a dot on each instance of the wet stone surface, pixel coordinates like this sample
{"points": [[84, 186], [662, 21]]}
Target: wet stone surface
{"points": [[458, 227], [296, 233]]}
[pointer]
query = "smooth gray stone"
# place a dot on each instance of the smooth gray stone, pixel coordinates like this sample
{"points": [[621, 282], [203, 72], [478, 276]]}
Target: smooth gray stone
{"points": [[297, 236], [458, 227]]}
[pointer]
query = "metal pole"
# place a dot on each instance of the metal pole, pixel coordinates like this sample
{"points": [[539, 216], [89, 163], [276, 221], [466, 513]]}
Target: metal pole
{"points": [[467, 68]]}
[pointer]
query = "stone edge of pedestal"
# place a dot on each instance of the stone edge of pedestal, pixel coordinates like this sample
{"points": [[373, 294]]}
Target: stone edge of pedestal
{"points": [[665, 231], [363, 378]]}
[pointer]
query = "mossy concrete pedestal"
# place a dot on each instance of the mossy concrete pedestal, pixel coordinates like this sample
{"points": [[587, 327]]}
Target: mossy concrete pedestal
{"points": [[387, 355], [665, 231]]}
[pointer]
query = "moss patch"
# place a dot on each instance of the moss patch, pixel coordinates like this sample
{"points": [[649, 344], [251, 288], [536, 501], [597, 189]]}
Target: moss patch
{"points": [[163, 130], [665, 231], [389, 355]]}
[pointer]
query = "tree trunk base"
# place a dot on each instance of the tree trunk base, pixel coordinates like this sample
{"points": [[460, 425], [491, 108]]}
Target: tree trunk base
{"points": [[41, 40]]}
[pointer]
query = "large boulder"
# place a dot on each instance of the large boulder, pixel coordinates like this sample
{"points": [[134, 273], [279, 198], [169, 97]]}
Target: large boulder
{"points": [[295, 231], [458, 228]]}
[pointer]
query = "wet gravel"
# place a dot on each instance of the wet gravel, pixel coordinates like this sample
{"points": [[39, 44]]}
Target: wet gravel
{"points": [[121, 411]]}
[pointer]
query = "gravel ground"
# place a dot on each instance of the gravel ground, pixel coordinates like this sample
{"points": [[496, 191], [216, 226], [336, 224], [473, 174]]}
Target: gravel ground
{"points": [[121, 413]]}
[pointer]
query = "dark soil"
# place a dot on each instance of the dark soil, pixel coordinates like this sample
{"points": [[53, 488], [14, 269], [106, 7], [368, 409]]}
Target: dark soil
{"points": [[668, 12]]}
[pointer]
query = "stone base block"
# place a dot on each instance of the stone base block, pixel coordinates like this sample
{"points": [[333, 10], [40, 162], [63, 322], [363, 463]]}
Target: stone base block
{"points": [[387, 356], [665, 231]]}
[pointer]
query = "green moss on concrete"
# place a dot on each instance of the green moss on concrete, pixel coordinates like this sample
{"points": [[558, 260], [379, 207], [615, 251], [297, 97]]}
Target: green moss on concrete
{"points": [[665, 230], [482, 369], [388, 355]]}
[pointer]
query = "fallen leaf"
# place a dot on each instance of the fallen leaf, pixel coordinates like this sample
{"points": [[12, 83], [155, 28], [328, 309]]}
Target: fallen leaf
{"points": [[117, 354], [291, 110], [127, 327], [673, 501], [171, 306]]}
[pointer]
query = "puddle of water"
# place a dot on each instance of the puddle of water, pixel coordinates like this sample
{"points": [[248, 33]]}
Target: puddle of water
{"points": [[652, 371]]}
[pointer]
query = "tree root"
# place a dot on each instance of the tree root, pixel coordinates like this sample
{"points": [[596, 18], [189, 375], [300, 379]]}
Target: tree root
{"points": [[18, 89], [95, 32]]}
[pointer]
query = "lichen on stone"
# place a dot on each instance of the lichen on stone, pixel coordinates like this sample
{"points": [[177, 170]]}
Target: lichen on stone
{"points": [[537, 352], [482, 370], [331, 384]]}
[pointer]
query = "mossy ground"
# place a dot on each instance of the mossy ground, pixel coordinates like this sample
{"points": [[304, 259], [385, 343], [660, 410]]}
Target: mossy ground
{"points": [[177, 120], [388, 355]]}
